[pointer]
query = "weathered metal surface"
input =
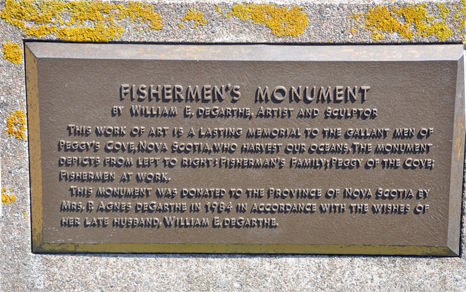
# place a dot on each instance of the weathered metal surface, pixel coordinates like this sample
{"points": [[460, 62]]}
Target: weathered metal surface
{"points": [[351, 149]]}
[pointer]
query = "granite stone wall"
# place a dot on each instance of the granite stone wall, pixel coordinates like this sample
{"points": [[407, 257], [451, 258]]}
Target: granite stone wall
{"points": [[304, 22]]}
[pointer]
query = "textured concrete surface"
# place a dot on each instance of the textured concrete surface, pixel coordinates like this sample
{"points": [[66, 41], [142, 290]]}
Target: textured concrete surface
{"points": [[23, 271]]}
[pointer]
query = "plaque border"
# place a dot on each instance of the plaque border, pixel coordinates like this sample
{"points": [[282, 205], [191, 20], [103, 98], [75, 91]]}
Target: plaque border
{"points": [[420, 52], [35, 159], [457, 159]]}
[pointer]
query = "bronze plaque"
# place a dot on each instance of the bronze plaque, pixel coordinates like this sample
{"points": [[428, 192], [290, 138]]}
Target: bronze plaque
{"points": [[245, 148]]}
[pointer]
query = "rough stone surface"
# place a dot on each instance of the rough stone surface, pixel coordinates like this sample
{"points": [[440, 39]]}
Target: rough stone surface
{"points": [[23, 271]]}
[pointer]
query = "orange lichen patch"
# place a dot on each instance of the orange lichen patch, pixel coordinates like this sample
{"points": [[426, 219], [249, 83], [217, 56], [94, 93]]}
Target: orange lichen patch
{"points": [[281, 20], [12, 52], [407, 21], [7, 199], [78, 20], [196, 16], [16, 124]]}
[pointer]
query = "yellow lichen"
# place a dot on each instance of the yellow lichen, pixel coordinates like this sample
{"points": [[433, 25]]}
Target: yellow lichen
{"points": [[180, 25], [142, 13], [406, 21], [217, 8], [440, 30], [7, 199], [12, 52], [443, 10], [16, 124], [460, 18], [281, 20], [196, 16], [355, 16], [78, 20]]}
